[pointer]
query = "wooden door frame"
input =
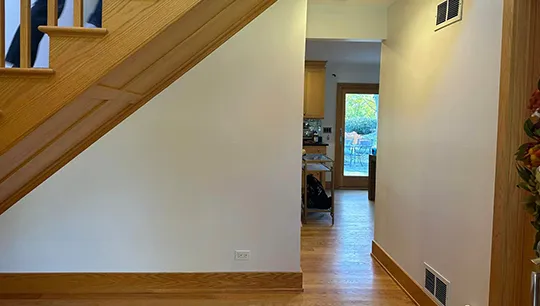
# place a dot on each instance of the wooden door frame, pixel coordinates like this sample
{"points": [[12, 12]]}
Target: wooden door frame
{"points": [[342, 89], [520, 69]]}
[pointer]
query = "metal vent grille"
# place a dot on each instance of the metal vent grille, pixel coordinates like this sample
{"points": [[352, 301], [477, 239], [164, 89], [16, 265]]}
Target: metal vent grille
{"points": [[453, 8], [442, 12], [448, 12], [436, 286], [430, 281], [440, 292]]}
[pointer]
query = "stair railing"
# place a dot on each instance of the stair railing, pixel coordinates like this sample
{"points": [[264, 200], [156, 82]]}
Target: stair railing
{"points": [[2, 34], [25, 26], [52, 13], [78, 13], [25, 33]]}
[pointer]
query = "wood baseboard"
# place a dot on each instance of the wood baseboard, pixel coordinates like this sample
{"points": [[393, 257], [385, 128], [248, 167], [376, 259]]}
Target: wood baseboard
{"points": [[404, 280], [35, 285]]}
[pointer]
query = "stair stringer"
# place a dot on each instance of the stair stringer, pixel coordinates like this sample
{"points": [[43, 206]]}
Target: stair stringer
{"points": [[118, 92]]}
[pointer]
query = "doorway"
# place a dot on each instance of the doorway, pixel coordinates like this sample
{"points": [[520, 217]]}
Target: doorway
{"points": [[357, 107]]}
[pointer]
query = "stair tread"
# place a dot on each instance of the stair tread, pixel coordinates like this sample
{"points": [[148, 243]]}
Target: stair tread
{"points": [[73, 31], [33, 72]]}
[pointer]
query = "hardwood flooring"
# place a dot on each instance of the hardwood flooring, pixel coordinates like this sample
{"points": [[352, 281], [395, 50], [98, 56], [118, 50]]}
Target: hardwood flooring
{"points": [[336, 262]]}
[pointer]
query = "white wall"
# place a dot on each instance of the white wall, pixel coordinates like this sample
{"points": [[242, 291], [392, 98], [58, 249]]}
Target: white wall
{"points": [[12, 19], [347, 21], [437, 143], [345, 73], [209, 166]]}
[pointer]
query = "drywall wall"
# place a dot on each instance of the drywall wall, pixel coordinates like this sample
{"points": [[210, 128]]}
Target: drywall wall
{"points": [[438, 113], [12, 20], [349, 21], [210, 166], [345, 73]]}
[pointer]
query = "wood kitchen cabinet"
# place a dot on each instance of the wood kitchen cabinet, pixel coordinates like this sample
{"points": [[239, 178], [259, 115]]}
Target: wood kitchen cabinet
{"points": [[314, 84]]}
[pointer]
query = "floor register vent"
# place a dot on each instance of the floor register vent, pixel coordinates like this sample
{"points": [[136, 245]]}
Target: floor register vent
{"points": [[436, 286]]}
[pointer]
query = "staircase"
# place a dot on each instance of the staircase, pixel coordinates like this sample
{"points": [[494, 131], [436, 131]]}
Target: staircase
{"points": [[98, 77]]}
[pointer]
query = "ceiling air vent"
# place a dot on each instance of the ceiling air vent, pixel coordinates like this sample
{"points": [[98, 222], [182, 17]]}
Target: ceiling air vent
{"points": [[448, 12], [436, 286]]}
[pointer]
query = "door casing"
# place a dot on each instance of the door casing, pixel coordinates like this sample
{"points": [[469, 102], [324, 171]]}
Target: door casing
{"points": [[344, 182], [513, 235]]}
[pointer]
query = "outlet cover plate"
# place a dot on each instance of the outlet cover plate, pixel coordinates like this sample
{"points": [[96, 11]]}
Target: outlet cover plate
{"points": [[242, 255]]}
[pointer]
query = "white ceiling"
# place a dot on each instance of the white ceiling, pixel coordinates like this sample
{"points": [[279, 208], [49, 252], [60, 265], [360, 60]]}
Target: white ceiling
{"points": [[344, 52], [381, 2]]}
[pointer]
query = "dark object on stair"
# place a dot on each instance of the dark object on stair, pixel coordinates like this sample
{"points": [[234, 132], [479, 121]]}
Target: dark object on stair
{"points": [[316, 195], [371, 177]]}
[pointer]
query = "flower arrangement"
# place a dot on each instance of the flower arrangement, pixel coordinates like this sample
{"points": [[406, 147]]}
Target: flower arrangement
{"points": [[528, 165]]}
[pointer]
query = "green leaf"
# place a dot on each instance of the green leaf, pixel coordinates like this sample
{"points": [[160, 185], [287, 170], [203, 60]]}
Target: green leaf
{"points": [[524, 173], [530, 207], [525, 186], [536, 240], [536, 128], [522, 151], [535, 225], [528, 127]]}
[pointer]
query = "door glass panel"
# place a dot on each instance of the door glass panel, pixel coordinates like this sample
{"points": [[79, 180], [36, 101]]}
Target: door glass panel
{"points": [[361, 114]]}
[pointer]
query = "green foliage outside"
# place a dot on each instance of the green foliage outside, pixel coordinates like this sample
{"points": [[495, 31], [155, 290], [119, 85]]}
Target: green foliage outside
{"points": [[361, 113], [361, 126]]}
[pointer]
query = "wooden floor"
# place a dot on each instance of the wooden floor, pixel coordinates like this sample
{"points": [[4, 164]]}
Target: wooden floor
{"points": [[338, 269]]}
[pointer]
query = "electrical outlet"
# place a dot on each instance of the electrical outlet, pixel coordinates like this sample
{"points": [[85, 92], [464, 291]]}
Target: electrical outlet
{"points": [[242, 254]]}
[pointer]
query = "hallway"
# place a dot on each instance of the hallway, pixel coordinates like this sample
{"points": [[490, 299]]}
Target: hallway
{"points": [[338, 269], [337, 266]]}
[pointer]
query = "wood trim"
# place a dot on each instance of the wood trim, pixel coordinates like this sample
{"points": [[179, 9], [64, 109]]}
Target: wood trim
{"points": [[78, 15], [511, 243], [2, 34], [25, 33], [52, 13], [315, 64], [32, 284], [404, 280], [73, 31], [26, 72], [342, 89], [230, 24]]}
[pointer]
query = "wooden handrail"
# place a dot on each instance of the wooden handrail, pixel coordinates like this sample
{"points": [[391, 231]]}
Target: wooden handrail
{"points": [[2, 34], [78, 13], [52, 13], [25, 33]]}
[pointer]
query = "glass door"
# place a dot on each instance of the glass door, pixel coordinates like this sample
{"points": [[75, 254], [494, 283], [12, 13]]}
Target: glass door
{"points": [[357, 121]]}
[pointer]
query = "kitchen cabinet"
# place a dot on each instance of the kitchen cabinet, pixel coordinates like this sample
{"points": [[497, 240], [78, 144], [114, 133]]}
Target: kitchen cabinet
{"points": [[314, 84]]}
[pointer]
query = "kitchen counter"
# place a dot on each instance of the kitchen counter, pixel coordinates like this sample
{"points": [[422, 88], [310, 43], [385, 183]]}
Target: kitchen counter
{"points": [[314, 144]]}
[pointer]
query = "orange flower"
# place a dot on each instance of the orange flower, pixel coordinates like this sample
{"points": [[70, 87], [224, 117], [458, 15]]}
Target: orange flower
{"points": [[534, 157]]}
